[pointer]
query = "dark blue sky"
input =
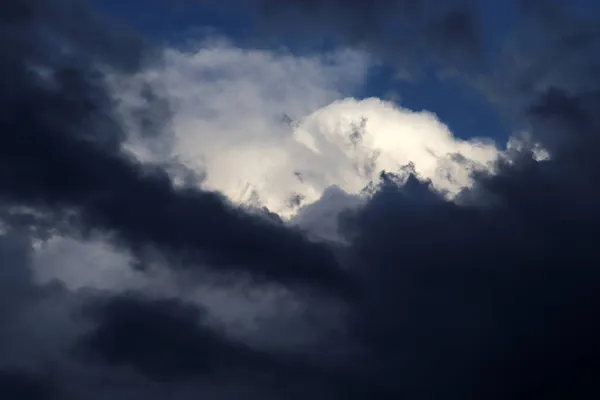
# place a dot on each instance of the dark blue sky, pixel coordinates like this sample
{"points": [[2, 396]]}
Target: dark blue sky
{"points": [[464, 109]]}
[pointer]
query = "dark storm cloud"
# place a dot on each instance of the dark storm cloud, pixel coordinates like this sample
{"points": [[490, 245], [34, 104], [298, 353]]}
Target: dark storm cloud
{"points": [[164, 339], [481, 302], [497, 299], [170, 341], [493, 298], [394, 30], [25, 386], [60, 150]]}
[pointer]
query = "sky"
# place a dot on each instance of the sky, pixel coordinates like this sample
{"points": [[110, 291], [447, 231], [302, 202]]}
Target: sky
{"points": [[324, 199]]}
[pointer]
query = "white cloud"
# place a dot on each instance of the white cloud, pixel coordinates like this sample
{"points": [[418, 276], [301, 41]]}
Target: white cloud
{"points": [[271, 127], [351, 141]]}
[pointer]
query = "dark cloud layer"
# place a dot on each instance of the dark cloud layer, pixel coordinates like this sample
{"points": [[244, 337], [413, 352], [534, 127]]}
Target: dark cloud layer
{"points": [[163, 339], [397, 31], [493, 297], [21, 385]]}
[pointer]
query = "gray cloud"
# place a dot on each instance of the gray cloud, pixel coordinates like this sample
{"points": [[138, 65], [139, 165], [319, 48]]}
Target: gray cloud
{"points": [[399, 31]]}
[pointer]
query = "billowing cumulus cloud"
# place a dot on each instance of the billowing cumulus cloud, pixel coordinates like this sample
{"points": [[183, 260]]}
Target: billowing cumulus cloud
{"points": [[270, 129], [128, 268]]}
